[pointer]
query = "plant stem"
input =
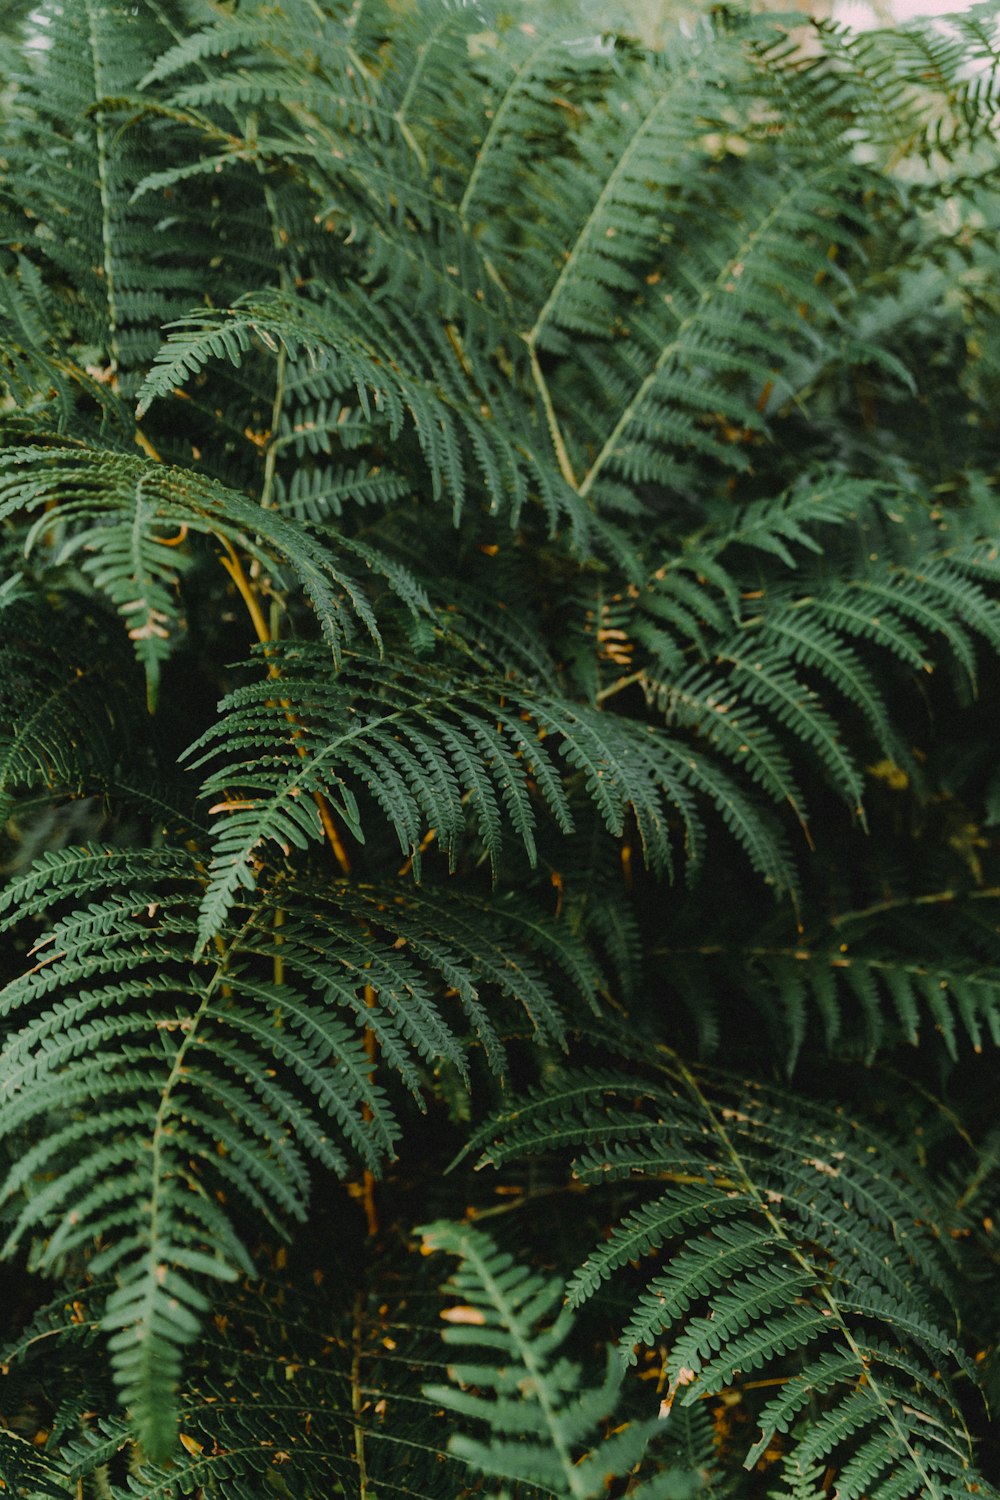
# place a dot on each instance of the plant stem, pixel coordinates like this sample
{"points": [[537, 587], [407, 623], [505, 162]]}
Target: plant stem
{"points": [[234, 568]]}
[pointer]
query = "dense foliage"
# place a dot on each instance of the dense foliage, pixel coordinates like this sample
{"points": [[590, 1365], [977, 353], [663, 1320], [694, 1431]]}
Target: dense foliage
{"points": [[499, 666]]}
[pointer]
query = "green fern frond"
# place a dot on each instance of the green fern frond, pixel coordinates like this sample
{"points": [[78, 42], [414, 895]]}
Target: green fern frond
{"points": [[318, 495], [773, 684], [734, 300], [341, 334], [421, 742], [61, 689], [73, 170], [37, 369], [115, 509], [617, 192], [527, 82], [516, 1382], [25, 1471], [147, 1088], [131, 1066], [889, 993], [782, 1237], [426, 745], [922, 88]]}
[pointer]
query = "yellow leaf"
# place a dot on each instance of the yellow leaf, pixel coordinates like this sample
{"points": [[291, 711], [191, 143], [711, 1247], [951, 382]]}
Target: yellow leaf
{"points": [[894, 776], [463, 1315]]}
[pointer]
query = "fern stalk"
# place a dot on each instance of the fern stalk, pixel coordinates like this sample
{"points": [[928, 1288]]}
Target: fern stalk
{"points": [[103, 178]]}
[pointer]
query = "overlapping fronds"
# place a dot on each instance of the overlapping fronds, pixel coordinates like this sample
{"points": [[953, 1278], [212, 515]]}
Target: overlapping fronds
{"points": [[426, 743], [38, 371], [60, 690], [298, 1381], [516, 1382], [130, 1062], [929, 87], [761, 635], [423, 744], [460, 411], [596, 441], [130, 517], [72, 169], [788, 1242], [675, 314], [852, 991]]}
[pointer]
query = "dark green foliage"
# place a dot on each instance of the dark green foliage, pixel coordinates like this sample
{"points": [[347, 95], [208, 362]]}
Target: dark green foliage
{"points": [[802, 1235], [500, 654]]}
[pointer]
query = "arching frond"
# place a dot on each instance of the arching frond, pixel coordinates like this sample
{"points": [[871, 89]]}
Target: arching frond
{"points": [[115, 510], [458, 411], [785, 1241], [425, 743], [128, 1063]]}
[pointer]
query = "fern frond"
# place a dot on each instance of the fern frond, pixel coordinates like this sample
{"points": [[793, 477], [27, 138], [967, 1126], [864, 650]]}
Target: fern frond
{"points": [[891, 994], [154, 1087], [115, 509], [166, 1058], [774, 681], [527, 83], [783, 1236], [422, 742], [459, 423], [38, 370], [516, 1382], [739, 289], [618, 192], [72, 173], [25, 1471], [61, 689], [921, 88], [317, 495]]}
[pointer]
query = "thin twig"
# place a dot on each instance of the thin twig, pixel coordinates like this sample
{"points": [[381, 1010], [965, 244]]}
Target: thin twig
{"points": [[368, 1179], [234, 568], [357, 1402], [555, 432]]}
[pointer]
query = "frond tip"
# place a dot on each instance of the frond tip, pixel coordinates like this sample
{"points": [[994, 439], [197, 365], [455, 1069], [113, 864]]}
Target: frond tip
{"points": [[517, 1385]]}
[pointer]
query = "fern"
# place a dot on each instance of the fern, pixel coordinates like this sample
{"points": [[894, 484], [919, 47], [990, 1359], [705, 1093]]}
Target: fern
{"points": [[76, 187], [426, 746], [60, 705], [113, 1013], [793, 1241], [557, 533], [320, 1397], [116, 508], [537, 1411], [339, 340], [857, 996]]}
